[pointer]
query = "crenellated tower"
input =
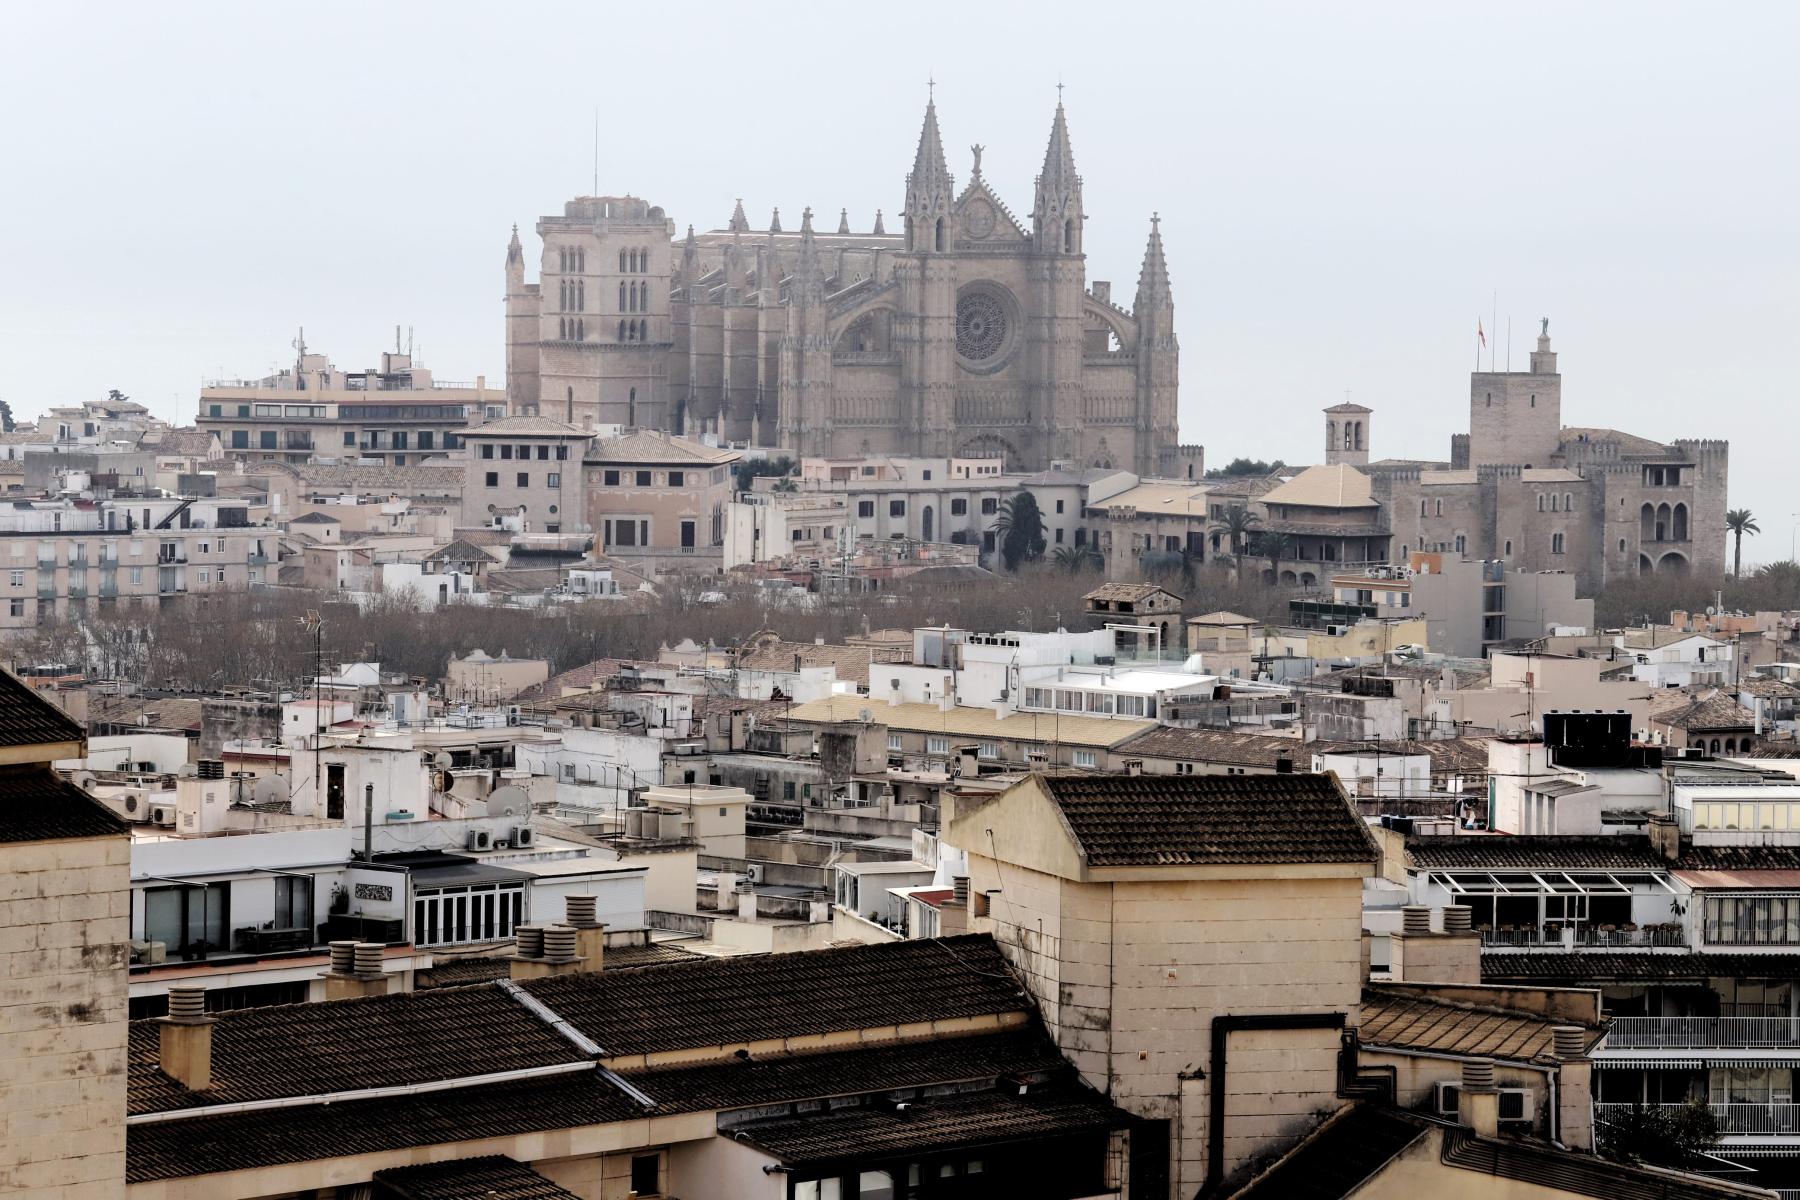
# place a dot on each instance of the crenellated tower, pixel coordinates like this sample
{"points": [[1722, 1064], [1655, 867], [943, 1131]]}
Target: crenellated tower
{"points": [[1158, 354]]}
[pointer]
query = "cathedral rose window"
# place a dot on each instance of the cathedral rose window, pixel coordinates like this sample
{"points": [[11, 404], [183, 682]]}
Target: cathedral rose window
{"points": [[980, 326]]}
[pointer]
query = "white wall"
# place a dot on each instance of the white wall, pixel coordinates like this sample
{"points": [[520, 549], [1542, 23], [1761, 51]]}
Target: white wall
{"points": [[122, 752]]}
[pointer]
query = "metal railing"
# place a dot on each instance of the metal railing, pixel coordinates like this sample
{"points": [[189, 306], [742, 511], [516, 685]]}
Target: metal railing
{"points": [[1745, 1033], [1586, 938], [1735, 1120]]}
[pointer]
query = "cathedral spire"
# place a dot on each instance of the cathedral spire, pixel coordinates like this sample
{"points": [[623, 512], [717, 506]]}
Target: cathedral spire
{"points": [[775, 221], [739, 222], [929, 188], [844, 221], [808, 274], [879, 231], [515, 253], [1153, 280], [1056, 211], [690, 258]]}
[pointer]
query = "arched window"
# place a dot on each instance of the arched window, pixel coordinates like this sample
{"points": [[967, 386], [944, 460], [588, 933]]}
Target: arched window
{"points": [[1568, 501], [940, 233], [562, 258], [580, 329], [1421, 508], [581, 295], [1490, 399], [621, 262], [1534, 399], [644, 295], [1359, 436], [621, 331], [562, 329], [1730, 745], [1440, 508], [1068, 237], [1508, 550], [1556, 543], [581, 260], [1540, 502], [631, 407], [1679, 526], [569, 400], [622, 298]]}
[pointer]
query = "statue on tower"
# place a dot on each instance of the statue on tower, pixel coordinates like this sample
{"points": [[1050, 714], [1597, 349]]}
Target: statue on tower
{"points": [[1544, 331], [976, 149]]}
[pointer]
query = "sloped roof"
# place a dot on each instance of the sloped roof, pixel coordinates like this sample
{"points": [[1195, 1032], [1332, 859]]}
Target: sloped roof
{"points": [[1407, 1019], [460, 550], [1589, 967], [1134, 592], [1224, 618], [654, 446], [1171, 820], [524, 426], [28, 719], [579, 679], [1483, 852], [850, 662], [38, 805], [1337, 486], [1629, 443], [316, 518], [1229, 747], [1339, 1156], [414, 479], [1718, 711], [494, 1177]]}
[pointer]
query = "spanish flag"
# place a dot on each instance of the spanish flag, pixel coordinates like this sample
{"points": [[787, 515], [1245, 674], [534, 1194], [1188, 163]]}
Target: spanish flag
{"points": [[1481, 333]]}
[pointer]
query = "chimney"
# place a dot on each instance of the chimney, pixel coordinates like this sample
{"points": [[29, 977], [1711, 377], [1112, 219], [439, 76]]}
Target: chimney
{"points": [[1665, 836], [186, 1051], [1134, 766], [960, 889], [542, 950], [579, 914], [1574, 1086], [355, 970], [1417, 955], [1479, 1106]]}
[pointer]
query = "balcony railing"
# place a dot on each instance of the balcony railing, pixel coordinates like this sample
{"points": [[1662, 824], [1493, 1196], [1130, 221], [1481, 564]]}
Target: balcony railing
{"points": [[1586, 938], [1735, 1120], [1726, 1033]]}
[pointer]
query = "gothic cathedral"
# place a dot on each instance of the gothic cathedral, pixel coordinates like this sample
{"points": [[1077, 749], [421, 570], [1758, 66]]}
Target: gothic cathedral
{"points": [[965, 332]]}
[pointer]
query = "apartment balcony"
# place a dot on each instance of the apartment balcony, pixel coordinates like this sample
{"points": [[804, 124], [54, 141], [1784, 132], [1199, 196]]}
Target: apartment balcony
{"points": [[1585, 938], [255, 559], [108, 588], [169, 558], [1703, 1033], [46, 562], [1735, 1120]]}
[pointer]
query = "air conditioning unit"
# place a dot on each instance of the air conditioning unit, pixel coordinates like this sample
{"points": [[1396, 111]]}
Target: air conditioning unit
{"points": [[478, 839], [512, 714], [755, 871], [163, 815], [521, 836]]}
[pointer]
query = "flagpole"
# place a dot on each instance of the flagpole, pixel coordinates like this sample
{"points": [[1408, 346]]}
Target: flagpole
{"points": [[1491, 346], [1509, 345]]}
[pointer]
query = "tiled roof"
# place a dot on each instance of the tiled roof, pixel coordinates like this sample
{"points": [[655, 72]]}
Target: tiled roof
{"points": [[1629, 443], [963, 722], [1585, 967], [1337, 1157], [577, 679], [1407, 1020], [146, 712], [1773, 857], [312, 1049], [316, 518], [28, 719], [422, 479], [712, 1001], [850, 662], [1160, 820], [845, 1072], [957, 1122], [653, 446], [1719, 711], [1219, 746], [524, 426], [1486, 852], [1338, 486], [495, 1177], [38, 805], [1135, 592], [461, 972], [200, 1145]]}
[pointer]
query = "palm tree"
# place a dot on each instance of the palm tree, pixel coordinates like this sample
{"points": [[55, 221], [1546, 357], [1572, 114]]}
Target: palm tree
{"points": [[1274, 547], [1074, 560], [1738, 522], [1240, 523]]}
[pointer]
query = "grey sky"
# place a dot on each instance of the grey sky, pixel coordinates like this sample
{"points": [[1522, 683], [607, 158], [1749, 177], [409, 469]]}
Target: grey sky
{"points": [[1343, 187]]}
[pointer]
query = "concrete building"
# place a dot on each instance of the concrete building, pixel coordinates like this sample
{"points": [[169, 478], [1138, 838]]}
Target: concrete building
{"points": [[481, 678], [966, 331], [1521, 486], [656, 499], [64, 908], [395, 413], [526, 467]]}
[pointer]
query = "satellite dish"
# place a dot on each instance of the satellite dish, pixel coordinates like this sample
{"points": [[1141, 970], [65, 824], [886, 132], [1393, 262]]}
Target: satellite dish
{"points": [[442, 761], [1712, 610], [864, 715], [508, 800], [270, 789]]}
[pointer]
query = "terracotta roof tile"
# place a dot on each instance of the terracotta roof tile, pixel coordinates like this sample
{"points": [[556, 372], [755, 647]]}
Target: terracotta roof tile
{"points": [[1409, 1020], [38, 805], [1147, 820], [27, 719], [494, 1177]]}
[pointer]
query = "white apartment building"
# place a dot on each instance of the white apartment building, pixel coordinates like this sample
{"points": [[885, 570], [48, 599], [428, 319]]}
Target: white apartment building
{"points": [[60, 557]]}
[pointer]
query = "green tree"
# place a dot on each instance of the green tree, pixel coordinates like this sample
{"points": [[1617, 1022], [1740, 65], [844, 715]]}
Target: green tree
{"points": [[1240, 524], [748, 469], [115, 396], [1738, 522], [6, 417], [1274, 547], [1669, 1135], [1019, 529], [1073, 560], [1245, 466]]}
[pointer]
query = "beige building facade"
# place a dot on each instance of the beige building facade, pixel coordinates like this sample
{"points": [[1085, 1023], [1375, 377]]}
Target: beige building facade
{"points": [[654, 497]]}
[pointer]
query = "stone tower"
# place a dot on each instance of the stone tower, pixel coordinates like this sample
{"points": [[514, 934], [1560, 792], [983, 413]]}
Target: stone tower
{"points": [[925, 328], [1057, 274], [521, 332], [806, 349], [1158, 355], [1515, 417], [1347, 435]]}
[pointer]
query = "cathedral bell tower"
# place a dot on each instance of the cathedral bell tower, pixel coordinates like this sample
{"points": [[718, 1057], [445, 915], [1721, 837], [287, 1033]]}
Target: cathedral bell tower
{"points": [[521, 332], [1058, 274], [1158, 355], [925, 330]]}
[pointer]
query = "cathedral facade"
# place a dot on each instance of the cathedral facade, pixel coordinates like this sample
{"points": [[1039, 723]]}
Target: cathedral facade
{"points": [[964, 332]]}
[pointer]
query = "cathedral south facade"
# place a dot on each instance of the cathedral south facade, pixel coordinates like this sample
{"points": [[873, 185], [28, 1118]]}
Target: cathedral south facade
{"points": [[952, 327]]}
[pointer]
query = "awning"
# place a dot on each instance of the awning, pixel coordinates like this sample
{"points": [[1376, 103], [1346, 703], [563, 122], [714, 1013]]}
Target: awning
{"points": [[463, 875], [1554, 883], [1747, 880]]}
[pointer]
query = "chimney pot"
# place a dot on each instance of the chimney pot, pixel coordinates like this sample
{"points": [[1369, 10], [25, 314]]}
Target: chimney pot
{"points": [[529, 940], [580, 912], [1415, 918], [368, 959], [1570, 1041], [187, 1003], [1478, 1075], [343, 957], [559, 943], [185, 1045], [1458, 918]]}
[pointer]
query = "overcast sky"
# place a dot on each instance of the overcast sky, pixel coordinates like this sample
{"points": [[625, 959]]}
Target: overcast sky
{"points": [[1344, 187]]}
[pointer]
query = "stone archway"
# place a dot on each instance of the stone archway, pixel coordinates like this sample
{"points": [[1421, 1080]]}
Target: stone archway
{"points": [[991, 445], [927, 524], [1672, 563]]}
